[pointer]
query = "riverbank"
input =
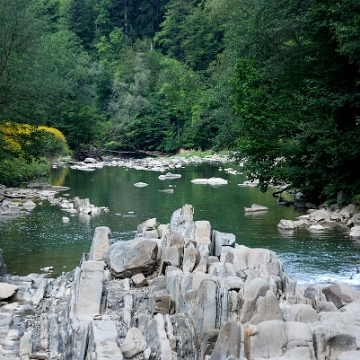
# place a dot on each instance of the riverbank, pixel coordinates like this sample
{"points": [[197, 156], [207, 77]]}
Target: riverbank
{"points": [[180, 290]]}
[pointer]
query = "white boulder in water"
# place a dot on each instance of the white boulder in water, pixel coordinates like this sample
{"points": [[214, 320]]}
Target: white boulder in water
{"points": [[140, 184], [169, 176], [255, 208], [211, 181]]}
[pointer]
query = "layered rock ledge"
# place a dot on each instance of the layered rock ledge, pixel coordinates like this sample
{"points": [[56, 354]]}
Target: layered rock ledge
{"points": [[177, 291]]}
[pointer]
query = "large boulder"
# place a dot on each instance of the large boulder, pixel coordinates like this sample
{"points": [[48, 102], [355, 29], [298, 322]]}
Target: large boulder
{"points": [[348, 211], [133, 344], [341, 294], [129, 258], [355, 231], [258, 302], [7, 290], [320, 215]]}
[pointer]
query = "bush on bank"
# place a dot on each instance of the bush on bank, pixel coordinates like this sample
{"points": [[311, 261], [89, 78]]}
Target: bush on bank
{"points": [[26, 150]]}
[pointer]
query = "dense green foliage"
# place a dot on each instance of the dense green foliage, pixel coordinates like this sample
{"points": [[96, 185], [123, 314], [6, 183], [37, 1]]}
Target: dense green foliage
{"points": [[275, 81]]}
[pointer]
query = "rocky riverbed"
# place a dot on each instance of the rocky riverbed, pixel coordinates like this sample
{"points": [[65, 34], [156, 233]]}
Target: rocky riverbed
{"points": [[324, 219], [17, 202], [176, 291]]}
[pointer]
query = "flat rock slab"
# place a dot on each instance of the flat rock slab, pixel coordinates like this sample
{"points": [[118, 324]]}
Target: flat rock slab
{"points": [[7, 290], [90, 290], [341, 294], [100, 243]]}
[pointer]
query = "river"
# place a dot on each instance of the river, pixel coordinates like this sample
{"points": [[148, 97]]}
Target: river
{"points": [[42, 239]]}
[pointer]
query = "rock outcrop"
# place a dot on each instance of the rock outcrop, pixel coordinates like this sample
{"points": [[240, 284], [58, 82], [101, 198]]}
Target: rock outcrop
{"points": [[177, 291], [319, 220]]}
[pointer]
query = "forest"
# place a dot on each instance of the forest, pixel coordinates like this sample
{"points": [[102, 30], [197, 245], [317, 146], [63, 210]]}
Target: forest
{"points": [[276, 82]]}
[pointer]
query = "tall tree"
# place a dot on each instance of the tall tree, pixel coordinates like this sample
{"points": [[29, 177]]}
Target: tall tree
{"points": [[296, 94]]}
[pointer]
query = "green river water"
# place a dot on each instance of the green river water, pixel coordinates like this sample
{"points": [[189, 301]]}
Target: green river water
{"points": [[42, 239]]}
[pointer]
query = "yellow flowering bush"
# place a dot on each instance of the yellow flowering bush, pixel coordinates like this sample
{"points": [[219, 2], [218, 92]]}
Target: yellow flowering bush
{"points": [[24, 140], [24, 149]]}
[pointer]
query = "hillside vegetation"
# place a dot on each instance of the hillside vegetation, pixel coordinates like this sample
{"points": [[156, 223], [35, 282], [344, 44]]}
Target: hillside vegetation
{"points": [[275, 81]]}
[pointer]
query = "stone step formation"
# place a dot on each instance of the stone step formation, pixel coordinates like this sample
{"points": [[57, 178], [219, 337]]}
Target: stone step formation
{"points": [[176, 291]]}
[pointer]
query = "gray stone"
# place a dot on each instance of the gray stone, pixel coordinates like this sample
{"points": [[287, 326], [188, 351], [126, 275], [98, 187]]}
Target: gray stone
{"points": [[173, 239], [102, 340], [341, 294], [228, 342], [100, 243], [147, 225], [155, 336], [182, 215], [190, 258], [207, 343], [140, 321], [170, 256], [202, 229], [348, 211], [107, 350], [234, 283], [349, 355], [220, 239], [204, 311], [258, 302], [90, 291], [325, 306], [133, 344], [89, 160], [26, 344], [355, 232], [139, 280], [163, 303], [355, 220], [272, 339], [186, 336], [7, 290], [287, 224], [320, 215], [314, 292], [303, 313], [316, 227], [257, 263], [129, 258]]}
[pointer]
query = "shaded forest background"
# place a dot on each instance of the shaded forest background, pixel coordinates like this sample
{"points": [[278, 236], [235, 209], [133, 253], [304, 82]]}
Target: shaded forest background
{"points": [[275, 81]]}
